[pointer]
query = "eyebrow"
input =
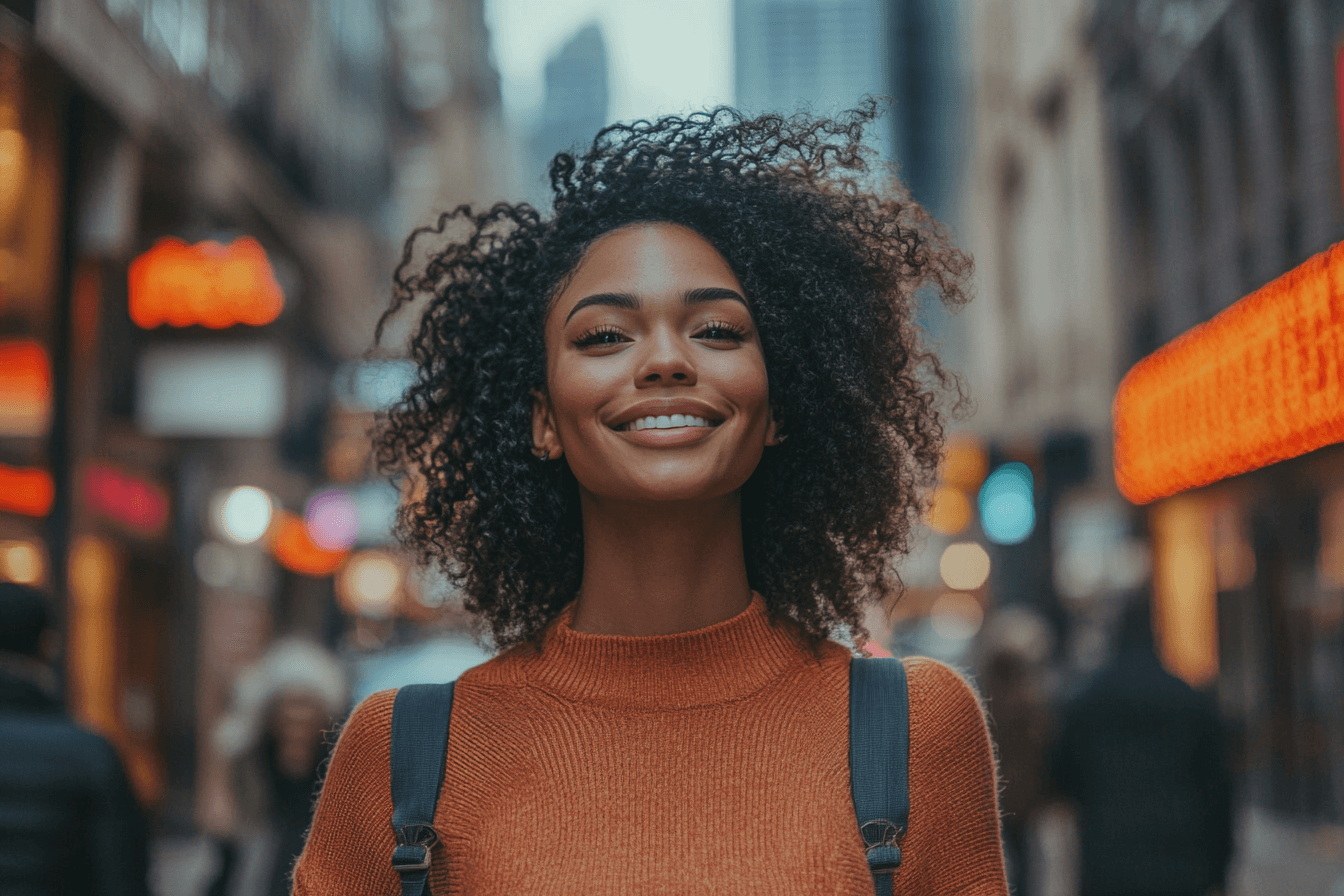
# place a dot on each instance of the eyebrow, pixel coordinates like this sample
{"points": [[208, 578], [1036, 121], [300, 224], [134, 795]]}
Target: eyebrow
{"points": [[631, 302]]}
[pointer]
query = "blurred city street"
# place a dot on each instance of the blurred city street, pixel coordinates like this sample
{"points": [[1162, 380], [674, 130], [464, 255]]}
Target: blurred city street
{"points": [[202, 206]]}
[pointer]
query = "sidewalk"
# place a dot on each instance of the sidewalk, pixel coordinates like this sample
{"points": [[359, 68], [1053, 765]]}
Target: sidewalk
{"points": [[1277, 857]]}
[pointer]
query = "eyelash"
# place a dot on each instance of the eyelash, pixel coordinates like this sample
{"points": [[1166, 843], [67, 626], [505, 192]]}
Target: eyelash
{"points": [[597, 335], [734, 333]]}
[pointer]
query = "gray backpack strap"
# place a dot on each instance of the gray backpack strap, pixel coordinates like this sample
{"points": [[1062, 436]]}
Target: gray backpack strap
{"points": [[420, 717], [879, 751]]}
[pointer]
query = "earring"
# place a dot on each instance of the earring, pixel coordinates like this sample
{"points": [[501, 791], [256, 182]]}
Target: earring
{"points": [[545, 456]]}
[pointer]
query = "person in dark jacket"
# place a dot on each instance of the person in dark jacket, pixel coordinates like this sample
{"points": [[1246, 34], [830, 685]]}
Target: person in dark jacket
{"points": [[1141, 754], [69, 822]]}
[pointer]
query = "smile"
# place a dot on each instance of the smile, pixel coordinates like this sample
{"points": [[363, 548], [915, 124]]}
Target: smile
{"points": [[668, 421]]}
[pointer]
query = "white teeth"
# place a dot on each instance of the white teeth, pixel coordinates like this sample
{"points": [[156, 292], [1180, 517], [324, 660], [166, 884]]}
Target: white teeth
{"points": [[666, 421]]}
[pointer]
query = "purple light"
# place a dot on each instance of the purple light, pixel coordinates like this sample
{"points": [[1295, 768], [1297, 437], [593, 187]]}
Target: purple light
{"points": [[332, 520]]}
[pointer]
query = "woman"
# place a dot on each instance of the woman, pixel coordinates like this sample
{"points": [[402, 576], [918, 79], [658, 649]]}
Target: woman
{"points": [[669, 439], [274, 738]]}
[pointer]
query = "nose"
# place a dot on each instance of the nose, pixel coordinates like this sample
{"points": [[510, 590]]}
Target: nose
{"points": [[667, 360]]}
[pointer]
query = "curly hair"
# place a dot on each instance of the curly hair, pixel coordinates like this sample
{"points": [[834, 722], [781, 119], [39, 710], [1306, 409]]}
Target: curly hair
{"points": [[830, 250]]}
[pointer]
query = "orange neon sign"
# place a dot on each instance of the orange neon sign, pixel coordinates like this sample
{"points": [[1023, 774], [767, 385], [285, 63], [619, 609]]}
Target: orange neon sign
{"points": [[26, 490], [25, 388], [296, 551], [1261, 382], [209, 284]]}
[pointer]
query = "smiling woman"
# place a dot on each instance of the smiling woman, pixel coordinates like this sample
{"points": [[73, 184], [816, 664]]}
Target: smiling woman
{"points": [[670, 440]]}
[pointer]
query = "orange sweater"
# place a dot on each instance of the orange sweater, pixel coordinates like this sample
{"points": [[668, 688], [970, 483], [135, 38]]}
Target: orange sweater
{"points": [[713, 761]]}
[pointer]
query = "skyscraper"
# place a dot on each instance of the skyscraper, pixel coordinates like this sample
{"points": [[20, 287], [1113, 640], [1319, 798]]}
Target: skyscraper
{"points": [[576, 101], [826, 54], [819, 54]]}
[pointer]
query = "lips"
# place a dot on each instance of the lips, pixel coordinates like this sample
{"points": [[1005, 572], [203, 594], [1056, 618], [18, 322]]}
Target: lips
{"points": [[667, 414]]}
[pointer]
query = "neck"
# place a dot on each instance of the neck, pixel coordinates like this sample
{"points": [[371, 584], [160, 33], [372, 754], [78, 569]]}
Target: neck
{"points": [[658, 569]]}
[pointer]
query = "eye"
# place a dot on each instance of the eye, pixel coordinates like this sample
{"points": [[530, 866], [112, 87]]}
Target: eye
{"points": [[721, 331], [600, 336]]}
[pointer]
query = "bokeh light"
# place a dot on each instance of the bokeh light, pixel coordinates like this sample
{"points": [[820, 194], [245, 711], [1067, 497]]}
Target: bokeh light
{"points": [[370, 584], [332, 520], [21, 561], [951, 511], [245, 514], [956, 616], [964, 566], [965, 464], [1007, 504]]}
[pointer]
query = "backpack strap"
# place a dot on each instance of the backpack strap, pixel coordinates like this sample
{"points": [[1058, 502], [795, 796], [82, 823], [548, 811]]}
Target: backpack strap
{"points": [[420, 717], [879, 750]]}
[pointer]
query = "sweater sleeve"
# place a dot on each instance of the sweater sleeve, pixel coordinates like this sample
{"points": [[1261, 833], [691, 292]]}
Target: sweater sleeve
{"points": [[349, 848], [953, 838]]}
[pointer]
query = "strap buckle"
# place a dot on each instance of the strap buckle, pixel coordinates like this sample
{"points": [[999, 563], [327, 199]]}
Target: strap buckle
{"points": [[882, 845], [414, 842], [880, 832]]}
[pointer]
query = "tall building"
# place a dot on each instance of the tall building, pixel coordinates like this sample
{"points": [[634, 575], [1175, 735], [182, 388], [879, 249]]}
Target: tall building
{"points": [[822, 55], [576, 102]]}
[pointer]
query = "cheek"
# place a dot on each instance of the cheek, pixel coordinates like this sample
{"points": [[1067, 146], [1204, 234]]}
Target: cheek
{"points": [[745, 384], [577, 392]]}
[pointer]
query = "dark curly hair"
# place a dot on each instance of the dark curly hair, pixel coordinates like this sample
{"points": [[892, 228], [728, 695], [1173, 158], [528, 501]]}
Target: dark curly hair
{"points": [[830, 251]]}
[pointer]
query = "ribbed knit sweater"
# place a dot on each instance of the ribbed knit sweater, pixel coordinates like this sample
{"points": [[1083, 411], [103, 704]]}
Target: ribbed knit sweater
{"points": [[712, 761]]}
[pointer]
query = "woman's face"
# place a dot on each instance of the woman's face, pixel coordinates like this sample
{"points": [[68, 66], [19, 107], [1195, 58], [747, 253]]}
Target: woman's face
{"points": [[656, 381]]}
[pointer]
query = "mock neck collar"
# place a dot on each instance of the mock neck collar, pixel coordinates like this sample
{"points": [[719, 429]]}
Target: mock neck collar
{"points": [[722, 662]]}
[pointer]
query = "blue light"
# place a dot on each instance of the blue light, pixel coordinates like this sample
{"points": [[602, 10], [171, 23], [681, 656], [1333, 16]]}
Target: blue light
{"points": [[1007, 509]]}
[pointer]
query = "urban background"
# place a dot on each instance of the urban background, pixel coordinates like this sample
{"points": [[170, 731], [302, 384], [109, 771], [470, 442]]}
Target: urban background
{"points": [[201, 203]]}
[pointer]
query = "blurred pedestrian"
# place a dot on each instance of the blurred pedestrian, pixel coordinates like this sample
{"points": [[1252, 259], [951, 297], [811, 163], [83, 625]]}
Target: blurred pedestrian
{"points": [[1142, 755], [1015, 642], [275, 739], [670, 438], [69, 822]]}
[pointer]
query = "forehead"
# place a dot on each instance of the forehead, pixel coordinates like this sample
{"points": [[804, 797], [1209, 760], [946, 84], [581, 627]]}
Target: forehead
{"points": [[648, 259]]}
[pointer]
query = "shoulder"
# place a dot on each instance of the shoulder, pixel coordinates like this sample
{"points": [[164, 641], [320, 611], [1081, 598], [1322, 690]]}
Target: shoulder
{"points": [[945, 708], [938, 683], [371, 721]]}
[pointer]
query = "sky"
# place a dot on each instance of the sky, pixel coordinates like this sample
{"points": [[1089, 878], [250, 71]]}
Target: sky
{"points": [[665, 55]]}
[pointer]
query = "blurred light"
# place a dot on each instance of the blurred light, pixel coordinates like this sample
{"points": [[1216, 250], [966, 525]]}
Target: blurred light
{"points": [[93, 633], [1185, 611], [373, 385], [215, 564], [128, 499], [13, 171], [21, 561], [297, 552], [965, 463], [227, 390], [245, 514], [956, 617], [370, 584], [951, 511], [25, 388], [333, 520], [964, 566], [1259, 383], [209, 284], [1007, 504], [377, 504], [26, 490]]}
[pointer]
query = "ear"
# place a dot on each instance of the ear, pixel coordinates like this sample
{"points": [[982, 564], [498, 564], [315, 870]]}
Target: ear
{"points": [[545, 438], [773, 432]]}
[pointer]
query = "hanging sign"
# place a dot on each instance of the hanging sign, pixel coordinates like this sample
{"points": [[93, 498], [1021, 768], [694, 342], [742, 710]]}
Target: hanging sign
{"points": [[1261, 382], [207, 284]]}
